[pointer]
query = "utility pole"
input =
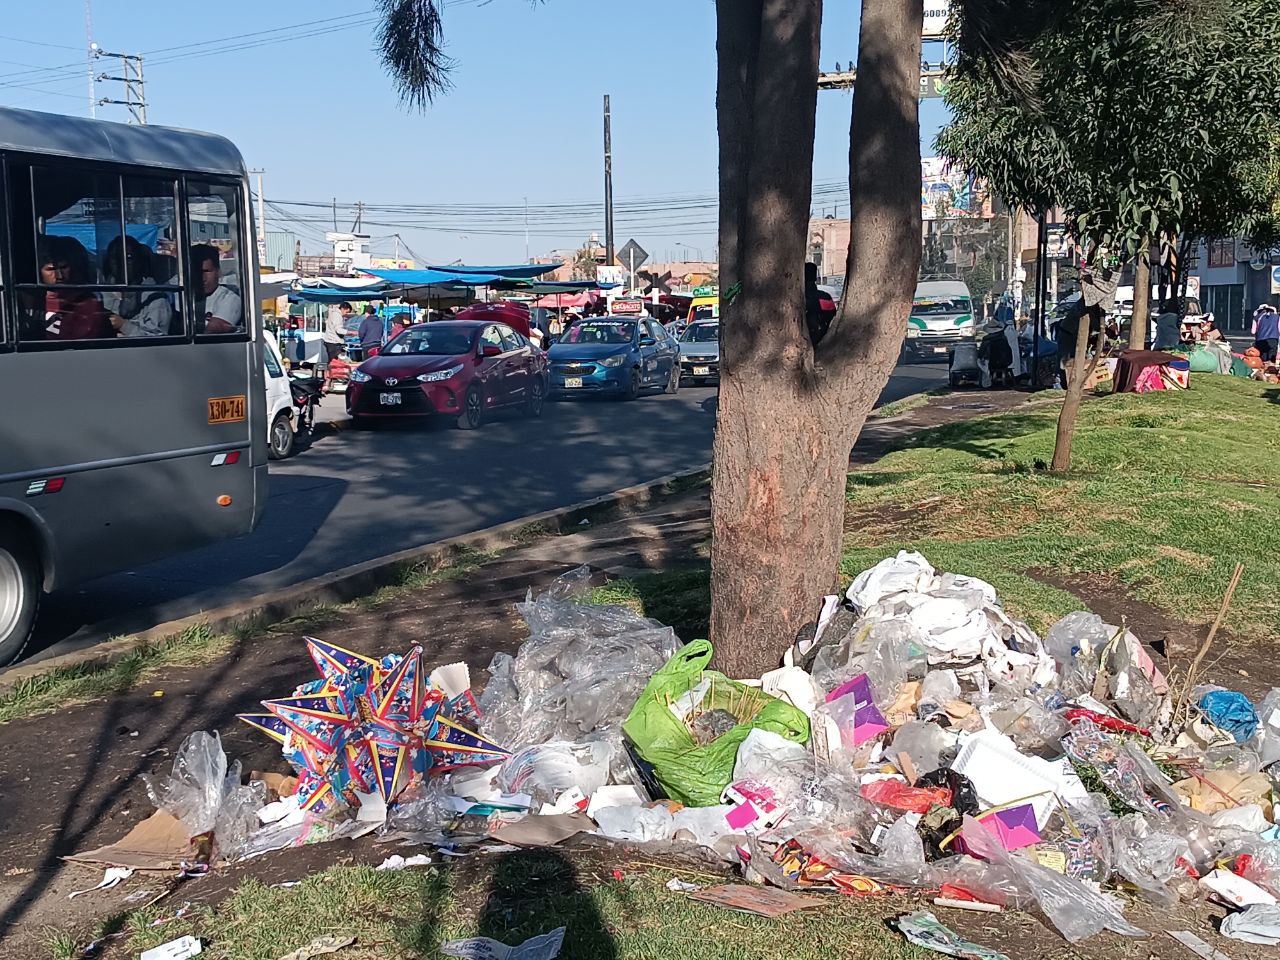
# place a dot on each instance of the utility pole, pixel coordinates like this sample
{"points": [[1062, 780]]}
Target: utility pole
{"points": [[608, 184], [135, 91], [526, 231], [359, 221], [88, 33], [261, 232], [335, 214]]}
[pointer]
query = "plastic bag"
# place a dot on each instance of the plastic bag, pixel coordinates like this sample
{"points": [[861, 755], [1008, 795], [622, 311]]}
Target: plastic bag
{"points": [[927, 744], [581, 668], [205, 793], [773, 760], [549, 769], [1267, 740], [885, 650], [1069, 905], [1232, 712], [697, 775], [635, 824], [900, 861], [1079, 634], [908, 572], [1148, 857]]}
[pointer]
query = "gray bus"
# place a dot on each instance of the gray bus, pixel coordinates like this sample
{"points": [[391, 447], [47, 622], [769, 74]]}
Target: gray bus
{"points": [[131, 384]]}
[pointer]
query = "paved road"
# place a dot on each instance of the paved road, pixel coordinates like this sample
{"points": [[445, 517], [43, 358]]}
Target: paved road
{"points": [[358, 495]]}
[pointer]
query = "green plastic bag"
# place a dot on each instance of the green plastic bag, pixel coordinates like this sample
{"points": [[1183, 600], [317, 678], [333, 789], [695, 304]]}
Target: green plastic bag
{"points": [[694, 775]]}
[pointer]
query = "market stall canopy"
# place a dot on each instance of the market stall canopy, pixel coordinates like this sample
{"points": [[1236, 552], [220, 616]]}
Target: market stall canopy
{"points": [[431, 277], [273, 285], [519, 271], [539, 288], [566, 301], [368, 291]]}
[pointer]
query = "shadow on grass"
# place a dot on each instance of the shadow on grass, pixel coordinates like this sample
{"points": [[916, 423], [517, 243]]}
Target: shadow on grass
{"points": [[976, 436], [532, 893], [680, 598]]}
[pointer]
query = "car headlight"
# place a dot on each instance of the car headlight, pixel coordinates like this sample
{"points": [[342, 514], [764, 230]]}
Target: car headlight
{"points": [[440, 375], [912, 333], [358, 377], [617, 360]]}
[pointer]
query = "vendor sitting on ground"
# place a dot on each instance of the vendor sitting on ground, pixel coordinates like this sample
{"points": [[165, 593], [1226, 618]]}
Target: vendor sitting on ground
{"points": [[1208, 331], [995, 350]]}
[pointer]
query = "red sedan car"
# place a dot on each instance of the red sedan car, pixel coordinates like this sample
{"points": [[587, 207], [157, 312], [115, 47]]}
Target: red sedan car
{"points": [[458, 368]]}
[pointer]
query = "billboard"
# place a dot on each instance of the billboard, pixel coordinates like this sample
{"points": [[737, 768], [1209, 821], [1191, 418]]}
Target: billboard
{"points": [[946, 191], [936, 13]]}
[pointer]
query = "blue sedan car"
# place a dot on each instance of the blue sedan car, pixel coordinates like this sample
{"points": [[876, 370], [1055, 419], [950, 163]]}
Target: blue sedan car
{"points": [[619, 356]]}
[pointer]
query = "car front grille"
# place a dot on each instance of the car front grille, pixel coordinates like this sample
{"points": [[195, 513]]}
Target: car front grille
{"points": [[573, 369]]}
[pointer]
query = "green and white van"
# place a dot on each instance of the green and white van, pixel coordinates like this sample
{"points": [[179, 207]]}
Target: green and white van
{"points": [[941, 316]]}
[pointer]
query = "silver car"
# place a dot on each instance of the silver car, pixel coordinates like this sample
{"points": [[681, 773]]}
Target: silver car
{"points": [[700, 352]]}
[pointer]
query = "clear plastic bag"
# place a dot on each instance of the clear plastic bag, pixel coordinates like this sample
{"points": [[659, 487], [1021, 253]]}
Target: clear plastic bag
{"points": [[887, 651], [1077, 911], [1079, 634], [785, 767], [1148, 857], [206, 794], [581, 669], [547, 770], [900, 860], [927, 744]]}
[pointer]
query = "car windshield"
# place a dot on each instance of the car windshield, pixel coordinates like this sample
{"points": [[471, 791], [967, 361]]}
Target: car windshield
{"points": [[702, 333], [431, 342], [600, 331], [935, 306]]}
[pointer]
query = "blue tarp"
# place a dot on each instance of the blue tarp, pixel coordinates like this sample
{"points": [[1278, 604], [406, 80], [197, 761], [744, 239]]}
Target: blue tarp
{"points": [[330, 295], [89, 236], [432, 277], [542, 288], [518, 271]]}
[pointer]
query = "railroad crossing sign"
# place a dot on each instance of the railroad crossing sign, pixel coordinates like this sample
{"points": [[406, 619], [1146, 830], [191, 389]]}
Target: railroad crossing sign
{"points": [[660, 283], [632, 256]]}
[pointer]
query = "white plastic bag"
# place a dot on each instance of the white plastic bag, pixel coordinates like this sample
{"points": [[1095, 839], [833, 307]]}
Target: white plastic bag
{"points": [[908, 572], [547, 770]]}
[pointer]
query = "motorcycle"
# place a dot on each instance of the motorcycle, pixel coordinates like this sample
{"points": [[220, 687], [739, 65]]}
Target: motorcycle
{"points": [[307, 392]]}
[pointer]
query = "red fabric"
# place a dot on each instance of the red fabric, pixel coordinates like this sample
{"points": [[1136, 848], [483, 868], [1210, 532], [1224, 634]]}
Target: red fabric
{"points": [[75, 316], [1114, 724], [899, 796]]}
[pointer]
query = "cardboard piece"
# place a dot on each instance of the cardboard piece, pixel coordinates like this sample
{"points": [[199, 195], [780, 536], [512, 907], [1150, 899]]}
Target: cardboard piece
{"points": [[544, 831], [1014, 827], [277, 784], [762, 901], [159, 842]]}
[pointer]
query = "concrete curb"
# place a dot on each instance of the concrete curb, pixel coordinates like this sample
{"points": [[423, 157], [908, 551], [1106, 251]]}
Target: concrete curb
{"points": [[363, 578]]}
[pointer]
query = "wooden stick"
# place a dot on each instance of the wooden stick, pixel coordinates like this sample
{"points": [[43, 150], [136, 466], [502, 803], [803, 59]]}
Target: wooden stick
{"points": [[1189, 683], [1217, 623]]}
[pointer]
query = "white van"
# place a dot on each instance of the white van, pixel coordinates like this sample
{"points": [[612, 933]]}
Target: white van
{"points": [[280, 411], [941, 316]]}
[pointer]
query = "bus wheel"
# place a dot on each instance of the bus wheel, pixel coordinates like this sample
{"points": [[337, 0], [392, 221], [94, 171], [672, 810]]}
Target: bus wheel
{"points": [[19, 594], [281, 445]]}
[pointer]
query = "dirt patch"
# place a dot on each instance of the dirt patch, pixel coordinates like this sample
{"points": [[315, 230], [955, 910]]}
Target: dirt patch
{"points": [[1232, 662]]}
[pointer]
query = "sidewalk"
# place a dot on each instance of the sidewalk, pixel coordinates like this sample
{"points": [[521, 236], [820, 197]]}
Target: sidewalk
{"points": [[94, 792]]}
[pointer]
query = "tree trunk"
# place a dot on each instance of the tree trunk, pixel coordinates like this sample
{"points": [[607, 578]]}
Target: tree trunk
{"points": [[788, 416], [1078, 371], [1141, 322]]}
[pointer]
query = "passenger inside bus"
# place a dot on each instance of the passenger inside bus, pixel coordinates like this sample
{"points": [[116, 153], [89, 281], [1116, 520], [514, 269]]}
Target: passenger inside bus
{"points": [[135, 313], [219, 308], [70, 314]]}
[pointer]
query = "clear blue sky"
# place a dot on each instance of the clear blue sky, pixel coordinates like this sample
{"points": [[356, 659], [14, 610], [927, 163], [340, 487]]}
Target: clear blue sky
{"points": [[522, 120]]}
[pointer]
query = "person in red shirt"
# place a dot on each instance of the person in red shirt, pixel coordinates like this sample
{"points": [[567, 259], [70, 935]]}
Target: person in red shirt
{"points": [[70, 314]]}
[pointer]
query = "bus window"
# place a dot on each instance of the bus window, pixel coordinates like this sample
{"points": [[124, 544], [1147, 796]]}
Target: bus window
{"points": [[85, 253], [145, 261], [217, 273], [58, 252]]}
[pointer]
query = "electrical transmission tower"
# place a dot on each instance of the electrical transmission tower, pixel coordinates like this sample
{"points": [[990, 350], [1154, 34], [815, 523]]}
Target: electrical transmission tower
{"points": [[135, 89]]}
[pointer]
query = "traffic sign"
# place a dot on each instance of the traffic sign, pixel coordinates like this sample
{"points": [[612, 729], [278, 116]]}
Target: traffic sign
{"points": [[1275, 280], [632, 256]]}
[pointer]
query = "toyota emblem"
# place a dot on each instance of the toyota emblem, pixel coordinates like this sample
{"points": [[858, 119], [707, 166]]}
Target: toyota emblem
{"points": [[391, 381]]}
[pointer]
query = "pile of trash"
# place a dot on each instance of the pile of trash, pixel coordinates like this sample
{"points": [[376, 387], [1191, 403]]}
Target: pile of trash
{"points": [[921, 740]]}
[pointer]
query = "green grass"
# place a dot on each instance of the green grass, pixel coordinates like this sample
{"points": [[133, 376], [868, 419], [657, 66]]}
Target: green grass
{"points": [[1169, 491], [90, 681], [198, 645], [898, 407], [680, 599], [511, 898]]}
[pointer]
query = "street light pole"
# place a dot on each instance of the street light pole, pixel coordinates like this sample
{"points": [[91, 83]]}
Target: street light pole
{"points": [[608, 183]]}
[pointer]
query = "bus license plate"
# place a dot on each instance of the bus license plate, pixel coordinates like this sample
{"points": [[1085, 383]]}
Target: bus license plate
{"points": [[701, 371], [570, 382], [389, 399], [226, 409]]}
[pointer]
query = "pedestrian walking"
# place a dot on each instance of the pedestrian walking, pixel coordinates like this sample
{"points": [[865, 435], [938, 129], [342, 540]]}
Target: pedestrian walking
{"points": [[1266, 332]]}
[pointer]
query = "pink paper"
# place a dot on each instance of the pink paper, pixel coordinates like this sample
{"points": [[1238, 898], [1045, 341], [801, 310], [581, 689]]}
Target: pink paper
{"points": [[855, 712]]}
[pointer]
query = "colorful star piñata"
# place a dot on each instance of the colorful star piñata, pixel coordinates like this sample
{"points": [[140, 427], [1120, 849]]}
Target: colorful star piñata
{"points": [[371, 725]]}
